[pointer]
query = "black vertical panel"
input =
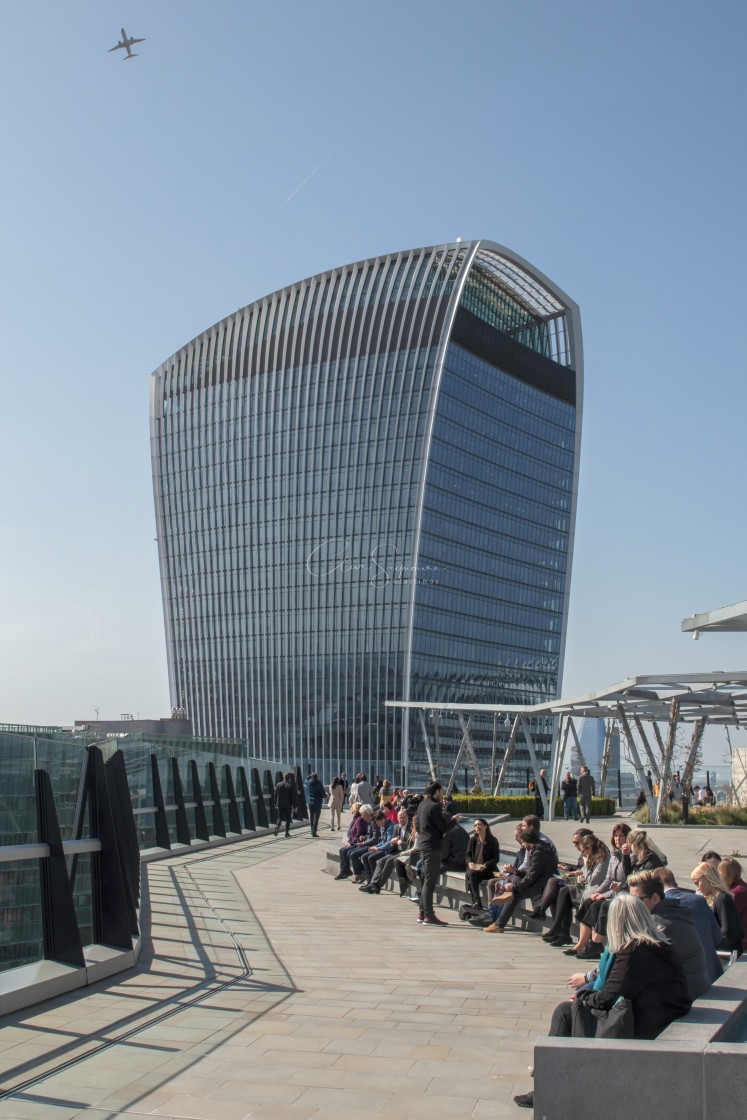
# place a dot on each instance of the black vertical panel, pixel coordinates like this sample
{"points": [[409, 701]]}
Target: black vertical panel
{"points": [[219, 827], [162, 825], [113, 908], [234, 820], [124, 819], [201, 828], [270, 788], [59, 923], [261, 807], [248, 811], [182, 823]]}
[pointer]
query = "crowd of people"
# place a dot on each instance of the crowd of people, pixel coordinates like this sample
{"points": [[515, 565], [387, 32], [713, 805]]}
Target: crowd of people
{"points": [[648, 947]]}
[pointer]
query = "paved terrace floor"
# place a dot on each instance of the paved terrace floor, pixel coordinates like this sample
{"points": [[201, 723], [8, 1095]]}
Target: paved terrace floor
{"points": [[268, 990]]}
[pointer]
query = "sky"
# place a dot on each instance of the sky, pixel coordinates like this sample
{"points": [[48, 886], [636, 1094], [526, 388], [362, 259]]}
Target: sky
{"points": [[252, 144]]}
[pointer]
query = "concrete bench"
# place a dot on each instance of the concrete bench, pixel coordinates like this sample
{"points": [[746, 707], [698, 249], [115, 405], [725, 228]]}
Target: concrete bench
{"points": [[451, 891], [695, 1070]]}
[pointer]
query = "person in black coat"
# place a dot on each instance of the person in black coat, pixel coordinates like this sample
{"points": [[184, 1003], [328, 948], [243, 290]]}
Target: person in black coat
{"points": [[284, 803], [716, 893], [678, 925], [433, 824], [645, 970], [530, 880], [483, 853], [315, 794]]}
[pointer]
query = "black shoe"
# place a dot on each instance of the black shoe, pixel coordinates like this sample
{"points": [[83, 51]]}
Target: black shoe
{"points": [[525, 1100], [590, 952], [366, 887], [550, 935], [560, 941], [343, 875], [538, 912], [277, 830]]}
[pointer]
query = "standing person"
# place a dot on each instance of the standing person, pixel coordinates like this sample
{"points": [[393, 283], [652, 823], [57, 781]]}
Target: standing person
{"points": [[336, 798], [361, 790], [650, 782], [432, 824], [570, 797], [284, 803], [675, 789], [315, 792], [345, 788], [534, 787], [587, 787]]}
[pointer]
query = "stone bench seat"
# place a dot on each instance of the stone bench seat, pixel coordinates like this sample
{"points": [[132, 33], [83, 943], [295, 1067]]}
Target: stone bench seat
{"points": [[451, 891], [694, 1070]]}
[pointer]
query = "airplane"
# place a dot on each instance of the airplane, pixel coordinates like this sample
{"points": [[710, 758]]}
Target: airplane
{"points": [[124, 45]]}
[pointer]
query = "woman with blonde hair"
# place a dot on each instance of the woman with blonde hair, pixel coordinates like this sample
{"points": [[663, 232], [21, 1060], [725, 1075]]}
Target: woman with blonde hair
{"points": [[644, 969], [641, 854], [709, 883], [334, 801]]}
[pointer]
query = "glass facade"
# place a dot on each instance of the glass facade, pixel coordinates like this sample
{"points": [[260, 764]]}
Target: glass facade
{"points": [[364, 491], [63, 756]]}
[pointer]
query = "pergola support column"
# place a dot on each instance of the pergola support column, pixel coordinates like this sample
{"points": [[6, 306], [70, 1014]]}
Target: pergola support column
{"points": [[637, 762]]}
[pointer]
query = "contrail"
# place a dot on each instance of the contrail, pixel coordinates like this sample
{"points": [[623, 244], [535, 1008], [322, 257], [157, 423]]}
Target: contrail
{"points": [[312, 173]]}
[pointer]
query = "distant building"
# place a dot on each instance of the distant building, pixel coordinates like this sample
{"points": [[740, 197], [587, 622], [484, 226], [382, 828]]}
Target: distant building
{"points": [[365, 489], [591, 734], [175, 726]]}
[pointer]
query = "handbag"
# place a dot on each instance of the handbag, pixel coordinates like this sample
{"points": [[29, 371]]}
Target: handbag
{"points": [[595, 1022]]}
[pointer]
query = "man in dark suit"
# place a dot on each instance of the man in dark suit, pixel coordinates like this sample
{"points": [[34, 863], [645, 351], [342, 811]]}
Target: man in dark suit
{"points": [[706, 926]]}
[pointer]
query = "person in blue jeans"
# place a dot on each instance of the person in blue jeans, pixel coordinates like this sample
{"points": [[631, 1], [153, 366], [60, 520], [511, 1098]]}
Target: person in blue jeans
{"points": [[569, 789]]}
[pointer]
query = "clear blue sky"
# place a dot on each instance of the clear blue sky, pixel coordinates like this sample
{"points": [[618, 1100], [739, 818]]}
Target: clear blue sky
{"points": [[142, 201]]}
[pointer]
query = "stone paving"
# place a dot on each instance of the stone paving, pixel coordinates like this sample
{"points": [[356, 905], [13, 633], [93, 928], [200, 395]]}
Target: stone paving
{"points": [[270, 990]]}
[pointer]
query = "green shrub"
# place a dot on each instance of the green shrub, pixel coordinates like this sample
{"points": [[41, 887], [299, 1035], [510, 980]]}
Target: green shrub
{"points": [[712, 816], [519, 807]]}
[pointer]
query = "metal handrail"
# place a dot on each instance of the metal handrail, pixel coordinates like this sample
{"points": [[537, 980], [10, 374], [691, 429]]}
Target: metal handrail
{"points": [[12, 853]]}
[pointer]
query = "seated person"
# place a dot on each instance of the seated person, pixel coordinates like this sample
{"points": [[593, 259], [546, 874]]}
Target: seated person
{"points": [[614, 881], [529, 880], [483, 853], [678, 925], [383, 863], [454, 849], [595, 857], [356, 839], [709, 883], [730, 871], [706, 926], [379, 835]]}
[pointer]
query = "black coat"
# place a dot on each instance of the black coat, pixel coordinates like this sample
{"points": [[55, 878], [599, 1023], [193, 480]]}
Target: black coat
{"points": [[678, 925], [531, 879], [491, 851], [651, 977], [727, 917], [283, 796], [432, 824]]}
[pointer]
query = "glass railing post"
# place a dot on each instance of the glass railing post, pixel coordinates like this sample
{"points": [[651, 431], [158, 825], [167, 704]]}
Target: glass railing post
{"points": [[59, 922]]}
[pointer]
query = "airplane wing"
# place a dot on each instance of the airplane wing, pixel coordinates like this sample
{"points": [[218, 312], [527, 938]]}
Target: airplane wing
{"points": [[119, 47], [136, 41]]}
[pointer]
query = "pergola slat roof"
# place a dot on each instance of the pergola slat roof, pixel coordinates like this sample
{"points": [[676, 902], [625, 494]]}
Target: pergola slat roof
{"points": [[719, 696]]}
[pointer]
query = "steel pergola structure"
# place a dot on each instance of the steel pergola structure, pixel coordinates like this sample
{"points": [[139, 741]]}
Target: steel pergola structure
{"points": [[641, 704]]}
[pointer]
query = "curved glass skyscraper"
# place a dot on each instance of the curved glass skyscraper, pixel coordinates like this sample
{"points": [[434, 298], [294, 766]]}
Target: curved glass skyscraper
{"points": [[365, 489]]}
